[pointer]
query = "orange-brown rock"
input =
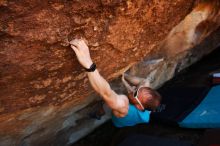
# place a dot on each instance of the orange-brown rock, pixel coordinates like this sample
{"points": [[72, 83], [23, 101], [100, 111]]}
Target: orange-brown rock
{"points": [[38, 70], [43, 87]]}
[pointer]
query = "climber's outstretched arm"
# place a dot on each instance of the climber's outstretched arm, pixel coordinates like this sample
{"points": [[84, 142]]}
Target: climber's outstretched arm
{"points": [[118, 103]]}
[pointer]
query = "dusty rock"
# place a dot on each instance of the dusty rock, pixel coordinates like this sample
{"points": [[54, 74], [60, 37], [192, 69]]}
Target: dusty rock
{"points": [[43, 87]]}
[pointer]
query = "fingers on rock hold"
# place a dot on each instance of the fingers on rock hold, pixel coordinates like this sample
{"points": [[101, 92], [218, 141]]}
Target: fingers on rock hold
{"points": [[74, 48], [75, 42], [78, 42]]}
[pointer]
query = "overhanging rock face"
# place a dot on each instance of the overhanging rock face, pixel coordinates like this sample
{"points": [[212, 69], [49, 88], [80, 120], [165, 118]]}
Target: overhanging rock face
{"points": [[42, 86]]}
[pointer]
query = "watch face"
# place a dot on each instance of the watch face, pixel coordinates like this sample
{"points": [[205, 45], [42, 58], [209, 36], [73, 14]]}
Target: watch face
{"points": [[92, 68]]}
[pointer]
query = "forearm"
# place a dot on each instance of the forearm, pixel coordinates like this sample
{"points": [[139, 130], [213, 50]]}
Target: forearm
{"points": [[100, 85], [127, 85]]}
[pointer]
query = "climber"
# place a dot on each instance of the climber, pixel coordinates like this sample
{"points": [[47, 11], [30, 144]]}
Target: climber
{"points": [[127, 110]]}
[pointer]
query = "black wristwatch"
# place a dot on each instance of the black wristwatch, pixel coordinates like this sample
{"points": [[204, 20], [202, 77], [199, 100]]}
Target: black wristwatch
{"points": [[92, 68]]}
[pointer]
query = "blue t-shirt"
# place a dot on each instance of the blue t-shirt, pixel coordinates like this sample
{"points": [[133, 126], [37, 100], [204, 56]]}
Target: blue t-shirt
{"points": [[134, 116]]}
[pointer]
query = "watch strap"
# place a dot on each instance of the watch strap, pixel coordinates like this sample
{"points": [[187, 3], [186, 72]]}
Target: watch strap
{"points": [[92, 68]]}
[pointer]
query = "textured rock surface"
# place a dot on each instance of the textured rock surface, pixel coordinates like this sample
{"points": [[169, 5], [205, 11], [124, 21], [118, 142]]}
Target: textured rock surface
{"points": [[42, 86]]}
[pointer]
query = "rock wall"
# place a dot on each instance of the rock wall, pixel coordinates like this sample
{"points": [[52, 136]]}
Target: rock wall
{"points": [[45, 96]]}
